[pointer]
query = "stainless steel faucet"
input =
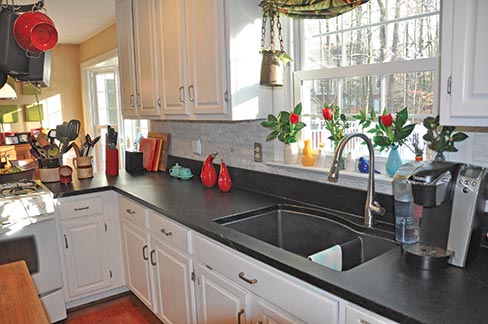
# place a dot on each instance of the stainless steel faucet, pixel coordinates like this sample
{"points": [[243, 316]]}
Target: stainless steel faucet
{"points": [[371, 207]]}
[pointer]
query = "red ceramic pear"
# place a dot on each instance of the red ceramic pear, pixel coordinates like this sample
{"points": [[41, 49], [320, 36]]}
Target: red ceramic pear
{"points": [[224, 182], [208, 175]]}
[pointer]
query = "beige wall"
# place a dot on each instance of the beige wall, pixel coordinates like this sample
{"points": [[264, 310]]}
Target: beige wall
{"points": [[99, 44]]}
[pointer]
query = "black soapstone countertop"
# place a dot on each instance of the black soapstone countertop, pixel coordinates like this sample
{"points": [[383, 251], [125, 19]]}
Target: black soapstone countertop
{"points": [[384, 285]]}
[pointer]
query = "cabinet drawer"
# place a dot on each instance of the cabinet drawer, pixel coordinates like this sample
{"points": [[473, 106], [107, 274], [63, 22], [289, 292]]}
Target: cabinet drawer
{"points": [[300, 299], [80, 207], [170, 232], [358, 315], [132, 211]]}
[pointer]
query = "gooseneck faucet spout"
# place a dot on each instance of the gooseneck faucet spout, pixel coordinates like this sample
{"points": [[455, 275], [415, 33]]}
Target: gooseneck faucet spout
{"points": [[371, 207]]}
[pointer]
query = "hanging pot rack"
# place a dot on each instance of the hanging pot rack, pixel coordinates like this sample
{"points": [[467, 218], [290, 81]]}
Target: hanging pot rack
{"points": [[4, 4]]}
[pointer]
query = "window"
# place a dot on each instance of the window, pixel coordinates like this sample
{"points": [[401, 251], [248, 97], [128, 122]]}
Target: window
{"points": [[382, 54]]}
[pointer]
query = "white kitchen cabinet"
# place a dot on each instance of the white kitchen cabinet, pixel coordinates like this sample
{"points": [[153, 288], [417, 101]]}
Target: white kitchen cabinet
{"points": [[173, 271], [464, 81], [89, 240], [219, 299], [303, 303], [138, 60], [270, 314], [136, 250], [86, 255], [357, 315], [210, 60]]}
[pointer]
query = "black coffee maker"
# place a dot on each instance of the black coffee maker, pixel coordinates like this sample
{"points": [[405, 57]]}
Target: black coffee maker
{"points": [[453, 196]]}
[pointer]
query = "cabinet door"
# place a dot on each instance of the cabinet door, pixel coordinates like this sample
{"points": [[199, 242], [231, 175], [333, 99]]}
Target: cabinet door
{"points": [[123, 9], [207, 77], [219, 300], [136, 261], [173, 69], [85, 255], [270, 314], [464, 82], [174, 286], [147, 97]]}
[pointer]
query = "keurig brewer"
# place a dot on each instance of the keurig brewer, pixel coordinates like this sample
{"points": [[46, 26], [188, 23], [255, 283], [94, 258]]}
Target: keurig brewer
{"points": [[453, 199]]}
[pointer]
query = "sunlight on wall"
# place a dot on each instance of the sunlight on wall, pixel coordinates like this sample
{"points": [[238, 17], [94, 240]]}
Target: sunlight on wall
{"points": [[53, 114]]}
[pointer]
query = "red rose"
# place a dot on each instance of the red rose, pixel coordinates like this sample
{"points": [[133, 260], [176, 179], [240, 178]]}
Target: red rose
{"points": [[328, 113], [386, 120], [294, 118]]}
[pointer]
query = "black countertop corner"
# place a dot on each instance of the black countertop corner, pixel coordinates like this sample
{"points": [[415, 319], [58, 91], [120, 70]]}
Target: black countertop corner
{"points": [[385, 285]]}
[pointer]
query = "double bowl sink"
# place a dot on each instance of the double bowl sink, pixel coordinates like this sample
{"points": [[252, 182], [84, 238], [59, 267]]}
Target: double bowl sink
{"points": [[306, 231]]}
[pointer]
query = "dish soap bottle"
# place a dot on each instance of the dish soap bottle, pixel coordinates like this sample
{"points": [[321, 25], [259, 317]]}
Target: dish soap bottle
{"points": [[307, 156]]}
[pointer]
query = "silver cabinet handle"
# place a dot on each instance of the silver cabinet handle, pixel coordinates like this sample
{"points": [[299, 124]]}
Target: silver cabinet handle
{"points": [[138, 99], [182, 93], [82, 208], [242, 276], [153, 252], [191, 93], [65, 241], [130, 211], [131, 99], [159, 102], [144, 252], [361, 321], [239, 316], [166, 233]]}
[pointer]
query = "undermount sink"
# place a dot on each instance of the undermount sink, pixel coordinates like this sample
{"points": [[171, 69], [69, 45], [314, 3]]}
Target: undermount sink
{"points": [[306, 231]]}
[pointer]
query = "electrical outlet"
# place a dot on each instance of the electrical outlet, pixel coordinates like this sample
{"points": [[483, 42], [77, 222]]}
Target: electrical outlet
{"points": [[196, 146], [258, 152]]}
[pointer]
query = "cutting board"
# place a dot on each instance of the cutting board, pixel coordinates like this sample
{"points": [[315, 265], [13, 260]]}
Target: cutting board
{"points": [[147, 146], [157, 154], [163, 156]]}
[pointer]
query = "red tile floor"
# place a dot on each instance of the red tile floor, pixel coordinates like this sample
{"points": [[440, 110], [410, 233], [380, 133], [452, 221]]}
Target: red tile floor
{"points": [[124, 309]]}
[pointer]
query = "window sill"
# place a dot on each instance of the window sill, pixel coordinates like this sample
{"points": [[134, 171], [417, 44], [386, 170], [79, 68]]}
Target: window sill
{"points": [[352, 179]]}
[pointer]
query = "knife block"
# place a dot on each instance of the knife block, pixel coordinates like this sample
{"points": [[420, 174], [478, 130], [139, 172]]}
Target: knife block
{"points": [[111, 162]]}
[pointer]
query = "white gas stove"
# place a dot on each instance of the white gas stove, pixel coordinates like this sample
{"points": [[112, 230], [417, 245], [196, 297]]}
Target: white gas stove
{"points": [[24, 201], [28, 232]]}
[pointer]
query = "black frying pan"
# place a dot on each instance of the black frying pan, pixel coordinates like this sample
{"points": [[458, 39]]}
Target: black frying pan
{"points": [[3, 79]]}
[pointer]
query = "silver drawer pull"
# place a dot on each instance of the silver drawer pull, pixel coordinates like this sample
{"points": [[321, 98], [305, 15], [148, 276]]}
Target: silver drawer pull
{"points": [[361, 321], [166, 233], [129, 211], [82, 208], [239, 315], [242, 276]]}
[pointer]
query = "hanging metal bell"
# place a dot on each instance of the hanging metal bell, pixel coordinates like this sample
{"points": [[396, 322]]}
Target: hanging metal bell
{"points": [[272, 70]]}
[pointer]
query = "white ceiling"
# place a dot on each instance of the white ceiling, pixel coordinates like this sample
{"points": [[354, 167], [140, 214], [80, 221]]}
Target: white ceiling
{"points": [[77, 20]]}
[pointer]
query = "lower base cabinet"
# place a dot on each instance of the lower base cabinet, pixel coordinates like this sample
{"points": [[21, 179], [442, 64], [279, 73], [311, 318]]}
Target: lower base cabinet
{"points": [[136, 259], [173, 274], [270, 314], [220, 300]]}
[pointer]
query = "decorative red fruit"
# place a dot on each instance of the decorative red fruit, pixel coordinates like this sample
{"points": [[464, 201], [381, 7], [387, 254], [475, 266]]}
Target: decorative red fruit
{"points": [[208, 175], [224, 182]]}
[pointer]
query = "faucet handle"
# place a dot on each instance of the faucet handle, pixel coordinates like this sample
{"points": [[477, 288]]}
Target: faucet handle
{"points": [[377, 209]]}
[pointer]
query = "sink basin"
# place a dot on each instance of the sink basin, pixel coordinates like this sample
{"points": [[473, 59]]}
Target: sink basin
{"points": [[306, 231]]}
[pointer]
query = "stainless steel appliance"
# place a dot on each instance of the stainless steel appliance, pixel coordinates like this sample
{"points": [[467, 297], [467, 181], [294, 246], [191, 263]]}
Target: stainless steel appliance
{"points": [[28, 232], [453, 197]]}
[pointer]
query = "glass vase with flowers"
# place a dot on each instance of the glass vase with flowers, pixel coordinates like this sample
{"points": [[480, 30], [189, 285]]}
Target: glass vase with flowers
{"points": [[389, 132], [285, 127]]}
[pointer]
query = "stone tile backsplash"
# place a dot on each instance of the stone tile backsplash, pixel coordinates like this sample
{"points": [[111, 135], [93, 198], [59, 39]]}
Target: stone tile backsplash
{"points": [[235, 141]]}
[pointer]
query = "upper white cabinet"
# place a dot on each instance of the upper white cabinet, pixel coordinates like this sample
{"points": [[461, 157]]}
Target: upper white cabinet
{"points": [[194, 60], [464, 81], [138, 61]]}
